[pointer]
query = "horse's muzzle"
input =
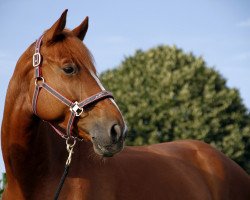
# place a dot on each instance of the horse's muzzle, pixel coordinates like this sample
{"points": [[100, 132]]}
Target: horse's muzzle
{"points": [[109, 144]]}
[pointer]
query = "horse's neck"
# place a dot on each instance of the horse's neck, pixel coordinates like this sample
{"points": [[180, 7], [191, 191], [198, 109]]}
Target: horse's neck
{"points": [[26, 148], [18, 119], [32, 152]]}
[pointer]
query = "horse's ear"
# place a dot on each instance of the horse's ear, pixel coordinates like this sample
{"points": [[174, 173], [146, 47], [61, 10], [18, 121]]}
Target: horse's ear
{"points": [[57, 28], [81, 30]]}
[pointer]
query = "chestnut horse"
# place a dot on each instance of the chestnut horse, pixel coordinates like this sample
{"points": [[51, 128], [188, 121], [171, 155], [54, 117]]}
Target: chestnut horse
{"points": [[35, 156]]}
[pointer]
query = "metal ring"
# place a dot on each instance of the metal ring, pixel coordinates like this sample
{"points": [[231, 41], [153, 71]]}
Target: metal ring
{"points": [[70, 145], [39, 79]]}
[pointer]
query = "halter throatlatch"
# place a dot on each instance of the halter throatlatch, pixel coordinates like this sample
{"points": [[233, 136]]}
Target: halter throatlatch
{"points": [[75, 108]]}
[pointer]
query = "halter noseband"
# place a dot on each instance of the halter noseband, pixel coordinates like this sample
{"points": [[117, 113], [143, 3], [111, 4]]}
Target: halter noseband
{"points": [[75, 108]]}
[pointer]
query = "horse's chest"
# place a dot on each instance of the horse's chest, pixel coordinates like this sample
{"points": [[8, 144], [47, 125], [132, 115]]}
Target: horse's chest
{"points": [[76, 189]]}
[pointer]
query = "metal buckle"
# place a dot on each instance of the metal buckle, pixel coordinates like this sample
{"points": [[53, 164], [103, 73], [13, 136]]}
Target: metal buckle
{"points": [[76, 109], [36, 59]]}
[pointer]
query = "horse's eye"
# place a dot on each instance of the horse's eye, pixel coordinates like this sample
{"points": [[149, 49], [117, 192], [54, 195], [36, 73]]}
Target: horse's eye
{"points": [[69, 70]]}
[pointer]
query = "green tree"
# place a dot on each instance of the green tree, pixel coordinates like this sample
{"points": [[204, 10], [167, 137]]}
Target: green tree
{"points": [[3, 182], [166, 94]]}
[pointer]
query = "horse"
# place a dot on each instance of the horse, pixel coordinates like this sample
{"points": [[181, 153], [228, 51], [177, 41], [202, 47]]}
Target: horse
{"points": [[67, 97]]}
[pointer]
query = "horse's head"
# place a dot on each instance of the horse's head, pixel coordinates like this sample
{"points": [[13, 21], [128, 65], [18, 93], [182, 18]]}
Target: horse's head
{"points": [[67, 67]]}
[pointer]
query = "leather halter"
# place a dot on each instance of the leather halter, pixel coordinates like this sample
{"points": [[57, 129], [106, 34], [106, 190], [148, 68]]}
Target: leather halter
{"points": [[75, 108]]}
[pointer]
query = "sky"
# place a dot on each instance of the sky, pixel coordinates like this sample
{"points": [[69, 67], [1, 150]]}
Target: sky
{"points": [[217, 30]]}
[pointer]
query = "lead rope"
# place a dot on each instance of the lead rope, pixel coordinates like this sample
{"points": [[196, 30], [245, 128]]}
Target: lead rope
{"points": [[69, 148]]}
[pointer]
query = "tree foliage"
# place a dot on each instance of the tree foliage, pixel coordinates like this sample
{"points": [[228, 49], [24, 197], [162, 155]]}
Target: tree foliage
{"points": [[3, 182], [166, 94]]}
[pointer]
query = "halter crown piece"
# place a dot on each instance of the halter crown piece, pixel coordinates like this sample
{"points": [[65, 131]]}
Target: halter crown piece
{"points": [[75, 108]]}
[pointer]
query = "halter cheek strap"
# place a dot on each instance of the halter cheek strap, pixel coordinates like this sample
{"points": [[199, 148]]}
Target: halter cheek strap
{"points": [[75, 108]]}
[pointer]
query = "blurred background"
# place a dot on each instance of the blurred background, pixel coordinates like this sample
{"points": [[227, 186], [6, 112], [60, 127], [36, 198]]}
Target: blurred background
{"points": [[217, 31]]}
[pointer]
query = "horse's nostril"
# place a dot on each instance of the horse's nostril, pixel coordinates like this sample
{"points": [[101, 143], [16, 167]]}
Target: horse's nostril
{"points": [[115, 133]]}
